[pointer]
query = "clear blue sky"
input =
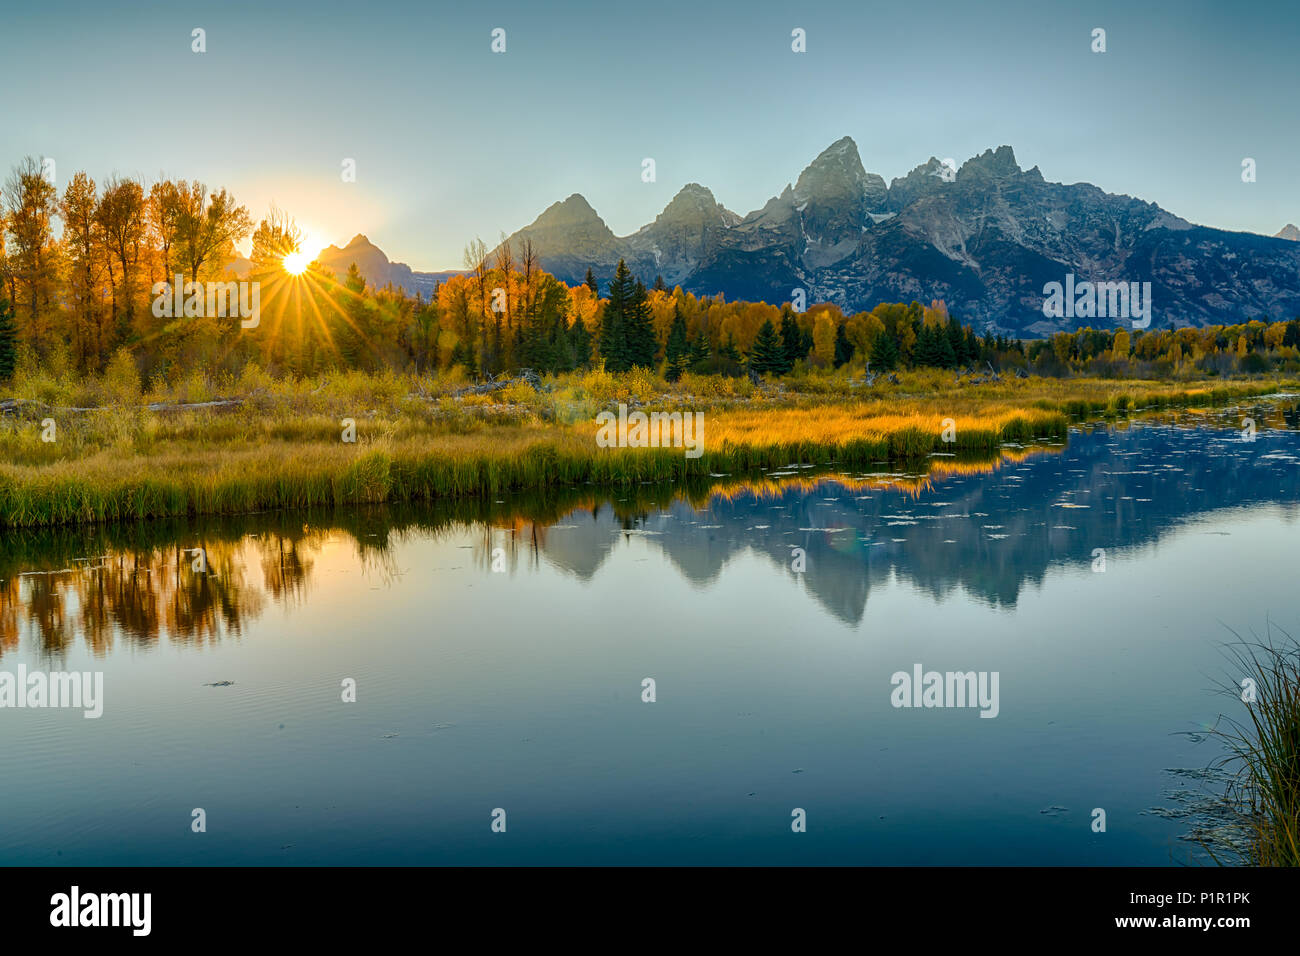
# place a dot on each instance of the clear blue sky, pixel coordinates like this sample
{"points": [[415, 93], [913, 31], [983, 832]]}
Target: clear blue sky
{"points": [[453, 141]]}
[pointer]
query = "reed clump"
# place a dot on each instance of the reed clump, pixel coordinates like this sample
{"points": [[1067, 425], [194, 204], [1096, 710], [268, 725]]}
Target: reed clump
{"points": [[1265, 748]]}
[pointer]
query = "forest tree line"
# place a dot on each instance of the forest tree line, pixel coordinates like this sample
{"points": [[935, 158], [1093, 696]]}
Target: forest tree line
{"points": [[77, 269]]}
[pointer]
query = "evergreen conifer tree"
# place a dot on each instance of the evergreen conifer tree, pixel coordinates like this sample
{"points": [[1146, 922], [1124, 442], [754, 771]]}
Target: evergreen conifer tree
{"points": [[767, 356], [8, 341], [700, 352], [927, 352], [843, 347], [956, 341], [884, 352], [805, 343], [613, 333], [638, 329], [677, 351], [791, 341], [580, 342]]}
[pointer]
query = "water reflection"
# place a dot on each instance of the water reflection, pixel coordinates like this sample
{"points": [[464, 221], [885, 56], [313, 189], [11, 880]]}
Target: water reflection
{"points": [[988, 527]]}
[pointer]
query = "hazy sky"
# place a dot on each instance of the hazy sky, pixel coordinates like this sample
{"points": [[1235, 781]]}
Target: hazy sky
{"points": [[452, 140]]}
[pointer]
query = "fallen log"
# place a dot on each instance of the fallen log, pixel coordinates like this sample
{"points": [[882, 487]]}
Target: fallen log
{"points": [[526, 376], [10, 406]]}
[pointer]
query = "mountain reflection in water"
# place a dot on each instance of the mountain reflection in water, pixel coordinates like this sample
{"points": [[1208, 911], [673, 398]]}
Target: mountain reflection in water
{"points": [[988, 527]]}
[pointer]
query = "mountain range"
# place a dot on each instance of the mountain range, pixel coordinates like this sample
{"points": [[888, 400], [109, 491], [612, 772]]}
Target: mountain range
{"points": [[985, 237], [378, 270]]}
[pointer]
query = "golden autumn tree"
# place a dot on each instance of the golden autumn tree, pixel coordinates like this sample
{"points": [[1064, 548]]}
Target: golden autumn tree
{"points": [[1119, 351], [824, 339]]}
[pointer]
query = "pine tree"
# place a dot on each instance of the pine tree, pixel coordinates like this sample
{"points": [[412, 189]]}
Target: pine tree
{"points": [[677, 351], [767, 356], [700, 351], [956, 341], [659, 284], [613, 334], [791, 341], [927, 352], [351, 327], [922, 350], [542, 342], [1292, 335], [591, 283], [627, 336], [8, 341], [580, 342], [639, 331], [947, 356], [884, 352], [933, 348], [843, 347]]}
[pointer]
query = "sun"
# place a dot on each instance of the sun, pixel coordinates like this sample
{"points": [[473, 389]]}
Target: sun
{"points": [[296, 262]]}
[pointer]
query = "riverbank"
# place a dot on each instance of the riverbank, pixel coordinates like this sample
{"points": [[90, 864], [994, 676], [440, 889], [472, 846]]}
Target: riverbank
{"points": [[91, 452]]}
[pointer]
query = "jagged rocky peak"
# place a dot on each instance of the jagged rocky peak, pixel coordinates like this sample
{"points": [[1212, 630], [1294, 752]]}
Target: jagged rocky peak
{"points": [[695, 204], [574, 210], [357, 244], [837, 174], [982, 240], [932, 168], [359, 249], [995, 163], [571, 228], [930, 177]]}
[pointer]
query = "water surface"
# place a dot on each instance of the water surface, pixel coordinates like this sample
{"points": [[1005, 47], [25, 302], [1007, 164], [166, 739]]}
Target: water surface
{"points": [[521, 688]]}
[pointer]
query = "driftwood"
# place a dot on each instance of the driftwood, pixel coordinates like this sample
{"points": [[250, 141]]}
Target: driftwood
{"points": [[526, 376], [15, 406], [980, 379], [12, 406], [483, 388]]}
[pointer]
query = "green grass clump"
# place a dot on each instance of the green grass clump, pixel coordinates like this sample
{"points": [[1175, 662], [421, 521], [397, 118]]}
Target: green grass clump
{"points": [[1265, 749]]}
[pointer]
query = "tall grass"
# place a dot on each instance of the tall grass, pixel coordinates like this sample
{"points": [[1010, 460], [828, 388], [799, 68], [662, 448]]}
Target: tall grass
{"points": [[115, 459], [1265, 748], [317, 469]]}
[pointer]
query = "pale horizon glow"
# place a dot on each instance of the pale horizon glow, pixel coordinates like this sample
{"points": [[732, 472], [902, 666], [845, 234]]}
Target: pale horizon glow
{"points": [[1186, 90]]}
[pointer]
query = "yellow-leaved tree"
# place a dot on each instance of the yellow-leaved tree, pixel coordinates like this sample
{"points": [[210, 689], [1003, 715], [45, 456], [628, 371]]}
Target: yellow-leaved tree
{"points": [[824, 340], [1121, 347]]}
